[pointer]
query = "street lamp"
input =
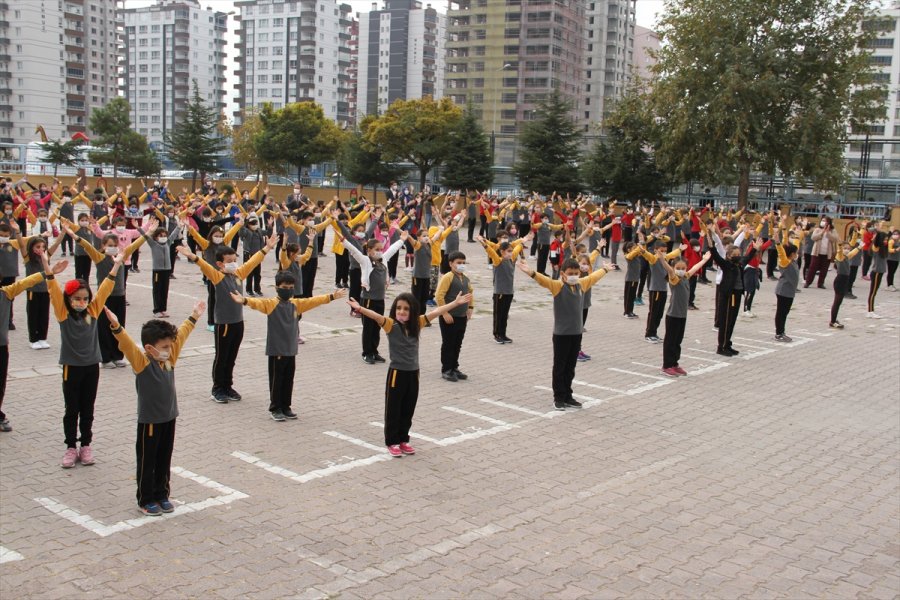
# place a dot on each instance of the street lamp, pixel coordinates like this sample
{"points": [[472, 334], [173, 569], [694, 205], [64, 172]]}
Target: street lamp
{"points": [[494, 110]]}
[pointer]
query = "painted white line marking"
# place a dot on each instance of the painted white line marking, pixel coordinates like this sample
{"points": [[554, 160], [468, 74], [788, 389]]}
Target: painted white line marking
{"points": [[598, 387], [705, 359], [311, 475], [588, 401], [769, 342], [626, 372], [704, 351], [709, 368], [473, 435], [7, 555], [815, 333], [466, 413], [527, 411], [348, 578], [353, 440], [640, 364], [228, 495], [418, 436]]}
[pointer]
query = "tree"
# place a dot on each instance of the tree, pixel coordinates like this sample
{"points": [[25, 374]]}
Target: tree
{"points": [[111, 128], [298, 134], [468, 162], [194, 144], [362, 163], [245, 142], [622, 165], [548, 155], [765, 84], [416, 131], [59, 153], [139, 157]]}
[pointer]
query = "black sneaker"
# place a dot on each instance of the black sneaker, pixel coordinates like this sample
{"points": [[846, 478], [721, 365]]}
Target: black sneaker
{"points": [[847, 295], [460, 375], [632, 316], [12, 326], [835, 325], [559, 405], [379, 358], [233, 395], [572, 402], [449, 376], [725, 352], [783, 338], [219, 397], [733, 351], [506, 340], [499, 339], [277, 415], [166, 506], [368, 359], [692, 307], [289, 414]]}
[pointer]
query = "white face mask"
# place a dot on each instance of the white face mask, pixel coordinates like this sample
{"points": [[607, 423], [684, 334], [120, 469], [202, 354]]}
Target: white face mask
{"points": [[83, 224], [112, 250], [310, 223], [218, 239], [79, 307], [572, 279], [680, 272], [377, 255], [4, 240], [120, 228], [230, 268], [162, 239], [460, 268], [360, 235], [822, 223], [161, 355], [44, 220], [296, 192]]}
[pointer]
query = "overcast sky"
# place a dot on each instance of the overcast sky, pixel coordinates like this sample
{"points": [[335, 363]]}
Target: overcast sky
{"points": [[646, 16]]}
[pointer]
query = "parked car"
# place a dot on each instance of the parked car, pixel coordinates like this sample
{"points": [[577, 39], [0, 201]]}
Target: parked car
{"points": [[273, 179]]}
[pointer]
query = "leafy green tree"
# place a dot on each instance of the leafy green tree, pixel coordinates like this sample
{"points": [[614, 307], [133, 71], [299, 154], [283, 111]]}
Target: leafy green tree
{"points": [[245, 143], [771, 85], [298, 134], [468, 162], [111, 130], [549, 149], [622, 165], [362, 163], [195, 142], [67, 154], [416, 131], [140, 158]]}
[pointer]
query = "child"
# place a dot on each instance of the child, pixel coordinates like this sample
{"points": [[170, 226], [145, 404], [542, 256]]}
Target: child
{"points": [[879, 267], [402, 329], [786, 288], [157, 403], [7, 295], [159, 243], [281, 337], [10, 244], [292, 261], [79, 355], [568, 299], [842, 261], [218, 239], [225, 277], [37, 306], [676, 316], [82, 258], [453, 322], [373, 279], [586, 265], [730, 289], [657, 288], [504, 262], [633, 262], [252, 240]]}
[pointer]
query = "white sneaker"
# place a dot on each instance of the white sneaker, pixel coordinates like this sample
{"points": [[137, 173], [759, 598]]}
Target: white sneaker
{"points": [[120, 363], [36, 346], [109, 365], [871, 315], [44, 344], [892, 288]]}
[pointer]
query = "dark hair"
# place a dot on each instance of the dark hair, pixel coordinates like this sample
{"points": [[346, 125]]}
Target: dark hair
{"points": [[504, 246], [457, 255], [223, 251], [109, 237], [159, 232], [291, 248], [570, 263], [790, 249], [4, 227], [880, 242], [214, 230], [32, 243], [155, 330], [411, 327], [370, 244], [282, 277], [119, 219], [82, 285], [628, 247]]}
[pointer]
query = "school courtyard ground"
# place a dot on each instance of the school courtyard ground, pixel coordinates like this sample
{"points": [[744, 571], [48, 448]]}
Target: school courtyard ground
{"points": [[773, 474]]}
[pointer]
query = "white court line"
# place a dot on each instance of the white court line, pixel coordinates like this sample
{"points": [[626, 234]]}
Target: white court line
{"points": [[310, 475], [527, 411], [705, 351], [418, 436], [473, 435], [771, 343], [706, 359], [709, 368], [228, 496], [797, 340], [640, 364], [7, 555], [626, 372], [353, 440], [586, 400], [460, 411], [598, 387]]}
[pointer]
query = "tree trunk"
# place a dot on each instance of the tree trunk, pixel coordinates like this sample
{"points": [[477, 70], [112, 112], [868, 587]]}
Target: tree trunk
{"points": [[257, 185], [423, 173], [194, 180], [375, 193], [743, 182]]}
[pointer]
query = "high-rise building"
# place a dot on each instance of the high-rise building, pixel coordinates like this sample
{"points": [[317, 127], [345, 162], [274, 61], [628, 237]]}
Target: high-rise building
{"points": [[401, 54], [506, 57], [166, 47], [291, 51], [645, 42], [58, 61]]}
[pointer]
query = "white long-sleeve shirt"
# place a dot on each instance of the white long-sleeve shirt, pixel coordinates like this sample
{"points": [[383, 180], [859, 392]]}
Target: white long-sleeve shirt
{"points": [[365, 263]]}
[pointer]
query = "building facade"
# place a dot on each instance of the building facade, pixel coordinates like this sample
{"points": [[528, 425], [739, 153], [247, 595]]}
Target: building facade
{"points": [[401, 55], [166, 47], [293, 51], [646, 41], [609, 55], [58, 62]]}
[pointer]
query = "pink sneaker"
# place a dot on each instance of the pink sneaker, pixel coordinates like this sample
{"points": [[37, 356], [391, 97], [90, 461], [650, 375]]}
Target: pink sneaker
{"points": [[86, 455], [395, 451], [680, 371], [671, 372], [407, 449], [69, 458]]}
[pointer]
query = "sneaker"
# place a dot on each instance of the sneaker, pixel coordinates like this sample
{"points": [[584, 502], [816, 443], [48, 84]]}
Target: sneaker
{"points": [[407, 449], [506, 340], [163, 315], [395, 451], [748, 315], [277, 415], [772, 278], [12, 326], [69, 458], [35, 345], [44, 344], [211, 328], [652, 339], [692, 307], [301, 340], [572, 402], [460, 375], [866, 277], [639, 301], [172, 276], [120, 363], [151, 510], [680, 371], [822, 287], [166, 506], [379, 358], [559, 405], [449, 376], [109, 365], [726, 352], [632, 316], [891, 288], [86, 455], [431, 303], [233, 395], [582, 357], [836, 325], [872, 315], [733, 351], [219, 397], [499, 340], [850, 296], [368, 359], [157, 315], [783, 338], [670, 372], [5, 426], [289, 414]]}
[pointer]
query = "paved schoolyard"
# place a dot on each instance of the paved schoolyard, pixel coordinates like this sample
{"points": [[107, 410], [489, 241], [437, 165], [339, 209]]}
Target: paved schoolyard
{"points": [[772, 474]]}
